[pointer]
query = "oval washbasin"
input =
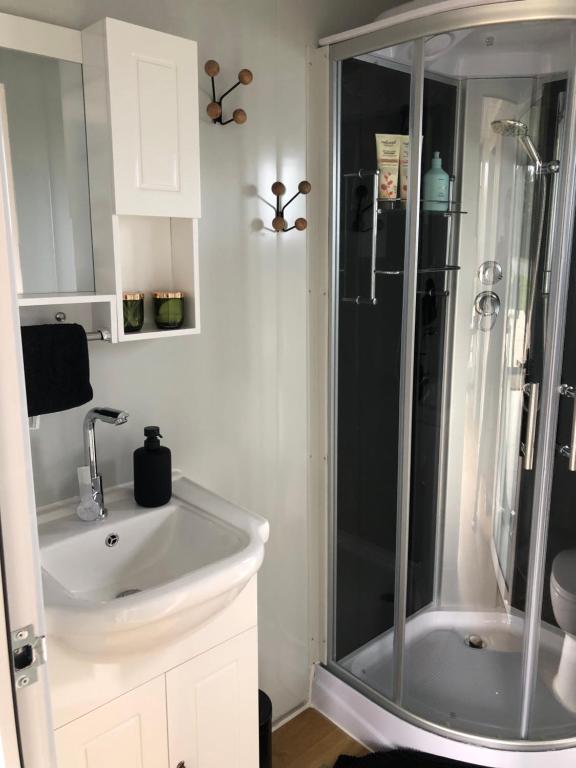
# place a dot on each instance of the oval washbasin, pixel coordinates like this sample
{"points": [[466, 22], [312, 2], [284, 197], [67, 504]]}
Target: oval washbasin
{"points": [[143, 577]]}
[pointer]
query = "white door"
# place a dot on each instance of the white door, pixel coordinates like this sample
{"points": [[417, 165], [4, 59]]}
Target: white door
{"points": [[129, 732], [213, 707], [20, 554]]}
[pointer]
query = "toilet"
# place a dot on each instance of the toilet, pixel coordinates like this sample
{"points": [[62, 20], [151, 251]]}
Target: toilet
{"points": [[563, 593]]}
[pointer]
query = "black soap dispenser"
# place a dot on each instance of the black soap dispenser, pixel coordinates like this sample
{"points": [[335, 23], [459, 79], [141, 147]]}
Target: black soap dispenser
{"points": [[152, 471]]}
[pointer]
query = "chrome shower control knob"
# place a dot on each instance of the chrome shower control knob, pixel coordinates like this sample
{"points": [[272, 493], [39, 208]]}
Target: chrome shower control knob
{"points": [[490, 272], [487, 304]]}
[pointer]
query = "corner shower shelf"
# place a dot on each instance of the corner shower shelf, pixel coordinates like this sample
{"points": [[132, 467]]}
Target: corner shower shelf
{"points": [[399, 205]]}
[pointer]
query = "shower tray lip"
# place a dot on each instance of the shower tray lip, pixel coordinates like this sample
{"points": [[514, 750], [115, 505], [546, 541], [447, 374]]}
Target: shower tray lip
{"points": [[340, 676], [354, 669]]}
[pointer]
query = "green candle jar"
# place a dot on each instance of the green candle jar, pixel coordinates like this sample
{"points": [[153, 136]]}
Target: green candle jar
{"points": [[168, 309], [133, 305]]}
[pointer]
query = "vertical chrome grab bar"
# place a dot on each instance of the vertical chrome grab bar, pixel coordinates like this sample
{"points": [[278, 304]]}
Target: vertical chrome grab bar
{"points": [[533, 391], [373, 298], [568, 391]]}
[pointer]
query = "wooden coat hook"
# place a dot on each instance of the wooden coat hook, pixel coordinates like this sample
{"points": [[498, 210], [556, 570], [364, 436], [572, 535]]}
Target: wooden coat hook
{"points": [[214, 109], [279, 223]]}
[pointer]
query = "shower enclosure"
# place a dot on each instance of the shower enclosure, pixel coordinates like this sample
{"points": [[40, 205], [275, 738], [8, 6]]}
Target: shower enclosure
{"points": [[454, 372]]}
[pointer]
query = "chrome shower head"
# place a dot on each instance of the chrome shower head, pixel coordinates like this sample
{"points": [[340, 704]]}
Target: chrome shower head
{"points": [[509, 128], [519, 130]]}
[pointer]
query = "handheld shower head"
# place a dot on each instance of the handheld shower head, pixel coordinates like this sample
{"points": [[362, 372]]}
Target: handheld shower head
{"points": [[508, 127]]}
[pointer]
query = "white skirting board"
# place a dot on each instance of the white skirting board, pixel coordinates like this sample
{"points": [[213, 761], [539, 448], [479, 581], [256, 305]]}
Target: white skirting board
{"points": [[378, 729]]}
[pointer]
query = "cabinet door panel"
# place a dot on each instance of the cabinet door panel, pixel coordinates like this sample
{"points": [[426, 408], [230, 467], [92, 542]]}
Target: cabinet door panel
{"points": [[129, 732], [213, 707], [153, 85]]}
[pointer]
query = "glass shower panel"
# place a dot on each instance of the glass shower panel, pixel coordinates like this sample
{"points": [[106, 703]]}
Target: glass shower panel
{"points": [[552, 714], [478, 366], [375, 104]]}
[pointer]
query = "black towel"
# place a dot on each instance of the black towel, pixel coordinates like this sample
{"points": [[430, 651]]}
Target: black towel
{"points": [[56, 367], [399, 758]]}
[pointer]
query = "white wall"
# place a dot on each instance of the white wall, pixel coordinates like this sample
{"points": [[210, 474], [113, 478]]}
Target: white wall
{"points": [[232, 403]]}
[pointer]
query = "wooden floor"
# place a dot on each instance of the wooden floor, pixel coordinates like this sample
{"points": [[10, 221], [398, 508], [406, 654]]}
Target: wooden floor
{"points": [[311, 741]]}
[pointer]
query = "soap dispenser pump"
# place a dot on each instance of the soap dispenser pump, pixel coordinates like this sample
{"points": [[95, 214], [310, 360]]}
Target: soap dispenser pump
{"points": [[152, 471]]}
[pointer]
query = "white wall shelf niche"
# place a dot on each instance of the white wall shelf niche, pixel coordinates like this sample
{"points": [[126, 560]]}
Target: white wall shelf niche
{"points": [[90, 310], [156, 253]]}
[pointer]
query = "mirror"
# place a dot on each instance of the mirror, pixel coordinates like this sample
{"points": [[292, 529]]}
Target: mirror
{"points": [[47, 132]]}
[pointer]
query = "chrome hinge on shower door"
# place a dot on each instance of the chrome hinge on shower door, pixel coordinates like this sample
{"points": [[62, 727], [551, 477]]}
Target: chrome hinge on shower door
{"points": [[28, 653]]}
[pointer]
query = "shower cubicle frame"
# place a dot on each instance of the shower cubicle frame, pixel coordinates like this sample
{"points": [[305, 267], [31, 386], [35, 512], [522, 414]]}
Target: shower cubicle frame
{"points": [[415, 27]]}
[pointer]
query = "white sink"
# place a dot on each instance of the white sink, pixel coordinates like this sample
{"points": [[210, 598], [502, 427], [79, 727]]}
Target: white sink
{"points": [[144, 577]]}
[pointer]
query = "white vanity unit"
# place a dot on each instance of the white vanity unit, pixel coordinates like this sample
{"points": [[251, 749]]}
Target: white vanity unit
{"points": [[101, 129], [152, 631]]}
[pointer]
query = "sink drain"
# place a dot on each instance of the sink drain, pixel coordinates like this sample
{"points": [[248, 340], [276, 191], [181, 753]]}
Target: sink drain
{"points": [[127, 593], [475, 641]]}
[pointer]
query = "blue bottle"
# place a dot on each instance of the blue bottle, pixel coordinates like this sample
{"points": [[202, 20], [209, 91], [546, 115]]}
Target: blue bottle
{"points": [[436, 186]]}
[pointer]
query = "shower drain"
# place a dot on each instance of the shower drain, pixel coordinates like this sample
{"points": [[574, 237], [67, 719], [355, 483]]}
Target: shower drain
{"points": [[127, 592], [475, 641]]}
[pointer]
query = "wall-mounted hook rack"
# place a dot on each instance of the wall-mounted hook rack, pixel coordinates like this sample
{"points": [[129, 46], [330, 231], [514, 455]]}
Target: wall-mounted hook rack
{"points": [[279, 222], [214, 109]]}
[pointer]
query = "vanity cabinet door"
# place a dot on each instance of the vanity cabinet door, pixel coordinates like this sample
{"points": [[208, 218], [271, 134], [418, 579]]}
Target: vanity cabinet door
{"points": [[213, 707], [153, 102], [129, 732]]}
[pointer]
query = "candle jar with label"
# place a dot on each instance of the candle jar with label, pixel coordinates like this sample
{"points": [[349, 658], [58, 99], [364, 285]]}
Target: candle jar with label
{"points": [[133, 308]]}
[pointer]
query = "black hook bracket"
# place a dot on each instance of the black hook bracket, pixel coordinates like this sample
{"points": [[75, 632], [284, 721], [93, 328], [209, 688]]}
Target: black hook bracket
{"points": [[214, 109], [279, 223]]}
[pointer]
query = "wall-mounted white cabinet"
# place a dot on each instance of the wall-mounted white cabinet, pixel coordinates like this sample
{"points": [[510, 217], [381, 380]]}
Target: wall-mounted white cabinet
{"points": [[141, 90], [141, 94]]}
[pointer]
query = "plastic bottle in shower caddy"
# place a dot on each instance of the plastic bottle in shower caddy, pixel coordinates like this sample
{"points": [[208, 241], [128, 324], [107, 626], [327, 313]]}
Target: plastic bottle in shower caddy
{"points": [[436, 186]]}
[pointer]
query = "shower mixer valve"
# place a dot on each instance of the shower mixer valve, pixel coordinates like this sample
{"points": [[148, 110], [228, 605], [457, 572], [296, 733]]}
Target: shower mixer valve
{"points": [[487, 305]]}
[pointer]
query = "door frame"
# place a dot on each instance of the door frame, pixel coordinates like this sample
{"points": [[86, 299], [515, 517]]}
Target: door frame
{"points": [[19, 554], [26, 728], [10, 754]]}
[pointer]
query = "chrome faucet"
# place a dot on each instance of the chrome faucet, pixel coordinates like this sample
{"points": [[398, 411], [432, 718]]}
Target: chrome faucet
{"points": [[91, 507]]}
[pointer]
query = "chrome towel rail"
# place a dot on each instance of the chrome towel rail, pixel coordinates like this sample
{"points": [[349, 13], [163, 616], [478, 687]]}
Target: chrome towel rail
{"points": [[102, 334]]}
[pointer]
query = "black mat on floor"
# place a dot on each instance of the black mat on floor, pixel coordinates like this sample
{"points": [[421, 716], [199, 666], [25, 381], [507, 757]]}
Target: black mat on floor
{"points": [[399, 758]]}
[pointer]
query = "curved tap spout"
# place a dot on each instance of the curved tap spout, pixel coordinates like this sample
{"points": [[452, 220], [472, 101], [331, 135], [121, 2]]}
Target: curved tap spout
{"points": [[91, 505]]}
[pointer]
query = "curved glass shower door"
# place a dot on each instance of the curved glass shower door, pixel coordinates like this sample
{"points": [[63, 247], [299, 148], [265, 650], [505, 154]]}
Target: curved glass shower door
{"points": [[448, 320]]}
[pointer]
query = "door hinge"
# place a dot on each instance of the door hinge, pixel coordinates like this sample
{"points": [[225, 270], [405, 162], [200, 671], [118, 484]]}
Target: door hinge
{"points": [[28, 653]]}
